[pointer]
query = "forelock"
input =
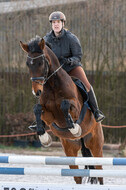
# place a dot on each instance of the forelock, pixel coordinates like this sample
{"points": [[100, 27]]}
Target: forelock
{"points": [[33, 45]]}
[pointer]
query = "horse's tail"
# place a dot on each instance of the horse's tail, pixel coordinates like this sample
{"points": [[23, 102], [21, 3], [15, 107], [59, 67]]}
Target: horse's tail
{"points": [[85, 151]]}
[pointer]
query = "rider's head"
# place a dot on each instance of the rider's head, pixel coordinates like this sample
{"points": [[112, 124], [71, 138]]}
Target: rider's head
{"points": [[57, 19]]}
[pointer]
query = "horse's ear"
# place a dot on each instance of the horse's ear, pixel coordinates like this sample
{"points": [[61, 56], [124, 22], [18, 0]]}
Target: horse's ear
{"points": [[24, 47], [42, 44]]}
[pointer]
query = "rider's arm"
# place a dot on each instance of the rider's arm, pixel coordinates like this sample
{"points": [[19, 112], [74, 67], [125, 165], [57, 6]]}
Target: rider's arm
{"points": [[75, 51], [75, 48]]}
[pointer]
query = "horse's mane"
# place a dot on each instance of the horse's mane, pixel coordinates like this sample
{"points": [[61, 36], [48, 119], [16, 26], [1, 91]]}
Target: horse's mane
{"points": [[49, 45], [33, 45]]}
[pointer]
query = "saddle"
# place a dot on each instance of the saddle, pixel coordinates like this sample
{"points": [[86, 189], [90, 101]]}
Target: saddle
{"points": [[81, 88]]}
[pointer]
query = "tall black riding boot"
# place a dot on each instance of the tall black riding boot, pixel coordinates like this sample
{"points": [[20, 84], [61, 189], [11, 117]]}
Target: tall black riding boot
{"points": [[99, 116]]}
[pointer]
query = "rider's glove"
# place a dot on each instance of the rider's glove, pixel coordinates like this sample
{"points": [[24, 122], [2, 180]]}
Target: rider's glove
{"points": [[69, 61]]}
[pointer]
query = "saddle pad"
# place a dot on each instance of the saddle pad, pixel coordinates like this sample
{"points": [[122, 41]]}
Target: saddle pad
{"points": [[81, 88]]}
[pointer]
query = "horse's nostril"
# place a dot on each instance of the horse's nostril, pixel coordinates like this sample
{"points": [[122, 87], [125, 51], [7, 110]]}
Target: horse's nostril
{"points": [[38, 93]]}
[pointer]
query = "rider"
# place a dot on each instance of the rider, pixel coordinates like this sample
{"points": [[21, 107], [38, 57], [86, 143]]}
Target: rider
{"points": [[67, 48]]}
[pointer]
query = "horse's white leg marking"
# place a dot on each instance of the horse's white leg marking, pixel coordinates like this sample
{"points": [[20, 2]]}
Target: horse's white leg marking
{"points": [[76, 131], [45, 139]]}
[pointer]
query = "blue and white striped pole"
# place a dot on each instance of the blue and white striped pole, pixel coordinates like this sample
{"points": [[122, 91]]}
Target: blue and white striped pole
{"points": [[63, 172], [62, 160]]}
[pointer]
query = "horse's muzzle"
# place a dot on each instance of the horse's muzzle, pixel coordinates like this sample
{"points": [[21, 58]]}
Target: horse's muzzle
{"points": [[38, 93]]}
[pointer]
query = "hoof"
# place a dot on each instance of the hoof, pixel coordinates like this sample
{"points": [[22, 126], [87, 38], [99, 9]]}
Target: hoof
{"points": [[45, 139], [76, 131]]}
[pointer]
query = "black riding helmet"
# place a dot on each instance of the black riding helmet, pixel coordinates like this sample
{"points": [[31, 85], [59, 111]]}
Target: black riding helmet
{"points": [[57, 15]]}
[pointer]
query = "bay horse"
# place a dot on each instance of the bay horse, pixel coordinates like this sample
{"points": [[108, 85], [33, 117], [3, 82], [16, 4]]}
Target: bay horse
{"points": [[60, 106]]}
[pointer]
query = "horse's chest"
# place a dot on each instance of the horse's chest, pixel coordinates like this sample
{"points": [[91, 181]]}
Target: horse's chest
{"points": [[49, 105], [50, 111], [52, 101], [52, 105]]}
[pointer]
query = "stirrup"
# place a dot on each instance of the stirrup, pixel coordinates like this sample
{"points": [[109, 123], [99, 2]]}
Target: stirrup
{"points": [[33, 126], [99, 116]]}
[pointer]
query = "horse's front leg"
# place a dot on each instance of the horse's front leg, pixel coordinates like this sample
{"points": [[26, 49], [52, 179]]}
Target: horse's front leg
{"points": [[73, 127], [44, 137]]}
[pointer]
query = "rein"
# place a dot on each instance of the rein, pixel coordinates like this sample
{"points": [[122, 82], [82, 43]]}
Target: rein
{"points": [[45, 79]]}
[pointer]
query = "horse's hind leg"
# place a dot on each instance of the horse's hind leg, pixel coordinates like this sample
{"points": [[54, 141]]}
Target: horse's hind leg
{"points": [[71, 148], [95, 145]]}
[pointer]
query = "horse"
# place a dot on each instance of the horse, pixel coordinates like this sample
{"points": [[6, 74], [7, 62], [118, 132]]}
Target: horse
{"points": [[60, 105]]}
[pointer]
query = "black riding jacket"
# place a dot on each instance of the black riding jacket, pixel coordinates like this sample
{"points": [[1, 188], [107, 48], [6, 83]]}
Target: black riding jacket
{"points": [[66, 47]]}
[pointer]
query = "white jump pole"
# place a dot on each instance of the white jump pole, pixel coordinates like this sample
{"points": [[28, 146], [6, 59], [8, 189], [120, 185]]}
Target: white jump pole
{"points": [[18, 159], [62, 172]]}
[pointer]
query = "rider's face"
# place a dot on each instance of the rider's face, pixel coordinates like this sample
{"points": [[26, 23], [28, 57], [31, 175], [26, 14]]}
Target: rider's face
{"points": [[57, 26]]}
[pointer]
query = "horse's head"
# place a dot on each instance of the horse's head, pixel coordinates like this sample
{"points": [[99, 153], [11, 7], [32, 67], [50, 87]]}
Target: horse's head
{"points": [[37, 62]]}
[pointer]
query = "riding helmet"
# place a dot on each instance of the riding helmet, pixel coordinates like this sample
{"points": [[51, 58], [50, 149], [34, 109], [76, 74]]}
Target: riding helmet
{"points": [[57, 15]]}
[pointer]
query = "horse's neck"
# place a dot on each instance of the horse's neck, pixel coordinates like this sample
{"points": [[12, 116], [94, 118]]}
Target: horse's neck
{"points": [[52, 57], [60, 79]]}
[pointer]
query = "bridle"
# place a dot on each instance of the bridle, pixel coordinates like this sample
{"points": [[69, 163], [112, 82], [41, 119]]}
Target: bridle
{"points": [[44, 78]]}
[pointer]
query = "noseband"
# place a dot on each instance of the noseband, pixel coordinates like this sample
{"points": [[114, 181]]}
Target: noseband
{"points": [[45, 78]]}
